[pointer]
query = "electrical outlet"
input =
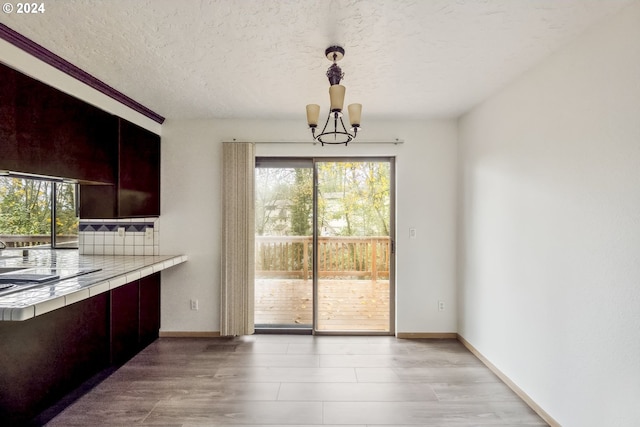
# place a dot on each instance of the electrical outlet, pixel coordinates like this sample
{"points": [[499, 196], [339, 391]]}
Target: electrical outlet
{"points": [[194, 304], [412, 233], [441, 305], [120, 231], [148, 233]]}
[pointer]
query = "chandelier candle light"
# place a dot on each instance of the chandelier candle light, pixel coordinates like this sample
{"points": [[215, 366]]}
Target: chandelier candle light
{"points": [[339, 135]]}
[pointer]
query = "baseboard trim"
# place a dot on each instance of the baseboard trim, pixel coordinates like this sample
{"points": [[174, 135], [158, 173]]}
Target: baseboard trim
{"points": [[517, 390], [428, 335], [189, 334]]}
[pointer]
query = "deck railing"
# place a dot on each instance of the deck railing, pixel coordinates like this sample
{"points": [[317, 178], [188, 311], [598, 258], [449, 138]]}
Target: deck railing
{"points": [[338, 257], [31, 240]]}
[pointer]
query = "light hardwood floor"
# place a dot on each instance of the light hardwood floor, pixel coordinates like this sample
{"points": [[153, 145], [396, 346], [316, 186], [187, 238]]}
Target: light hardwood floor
{"points": [[267, 380]]}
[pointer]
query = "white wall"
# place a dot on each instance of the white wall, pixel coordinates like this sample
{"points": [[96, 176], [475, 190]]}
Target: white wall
{"points": [[191, 212], [549, 248], [426, 184]]}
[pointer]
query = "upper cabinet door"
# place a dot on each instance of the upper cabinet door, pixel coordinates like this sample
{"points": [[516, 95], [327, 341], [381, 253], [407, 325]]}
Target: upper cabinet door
{"points": [[8, 143], [44, 131], [139, 172], [48, 132], [137, 190]]}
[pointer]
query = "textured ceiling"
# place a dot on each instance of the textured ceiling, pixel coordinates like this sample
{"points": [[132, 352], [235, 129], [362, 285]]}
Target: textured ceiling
{"points": [[265, 58]]}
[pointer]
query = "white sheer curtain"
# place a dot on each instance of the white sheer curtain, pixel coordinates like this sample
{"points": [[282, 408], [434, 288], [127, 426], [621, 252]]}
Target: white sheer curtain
{"points": [[238, 236]]}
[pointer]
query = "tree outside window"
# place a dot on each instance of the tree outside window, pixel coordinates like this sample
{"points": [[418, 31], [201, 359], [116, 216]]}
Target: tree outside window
{"points": [[27, 217]]}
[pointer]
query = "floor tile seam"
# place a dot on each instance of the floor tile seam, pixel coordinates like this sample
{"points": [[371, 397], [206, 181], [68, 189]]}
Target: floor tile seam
{"points": [[355, 374], [435, 393], [288, 368], [376, 401], [246, 383], [379, 383], [452, 403], [414, 382], [401, 372], [149, 413]]}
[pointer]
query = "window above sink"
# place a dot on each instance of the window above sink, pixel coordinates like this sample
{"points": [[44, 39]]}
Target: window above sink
{"points": [[37, 212]]}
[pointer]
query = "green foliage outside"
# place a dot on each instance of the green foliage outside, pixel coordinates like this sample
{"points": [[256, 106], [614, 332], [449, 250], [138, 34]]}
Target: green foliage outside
{"points": [[25, 207], [66, 218], [353, 199], [302, 203]]}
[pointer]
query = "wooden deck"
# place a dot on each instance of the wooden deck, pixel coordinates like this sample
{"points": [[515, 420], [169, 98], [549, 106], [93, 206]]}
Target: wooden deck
{"points": [[344, 305]]}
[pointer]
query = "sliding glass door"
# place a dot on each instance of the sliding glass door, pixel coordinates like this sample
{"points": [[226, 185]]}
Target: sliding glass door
{"points": [[284, 250], [324, 245], [354, 246]]}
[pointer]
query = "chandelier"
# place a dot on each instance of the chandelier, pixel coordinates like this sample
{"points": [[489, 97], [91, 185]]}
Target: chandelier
{"points": [[339, 134]]}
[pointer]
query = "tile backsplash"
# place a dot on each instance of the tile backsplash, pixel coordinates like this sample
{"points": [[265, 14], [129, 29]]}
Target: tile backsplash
{"points": [[136, 236]]}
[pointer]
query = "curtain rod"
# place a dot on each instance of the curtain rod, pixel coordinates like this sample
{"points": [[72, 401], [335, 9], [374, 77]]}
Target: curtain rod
{"points": [[355, 142]]}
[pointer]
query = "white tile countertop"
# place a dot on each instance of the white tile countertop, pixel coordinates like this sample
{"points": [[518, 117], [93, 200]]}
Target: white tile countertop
{"points": [[114, 271]]}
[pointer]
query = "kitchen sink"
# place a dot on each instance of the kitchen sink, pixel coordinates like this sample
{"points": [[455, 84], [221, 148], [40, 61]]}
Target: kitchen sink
{"points": [[10, 269], [14, 279], [19, 278]]}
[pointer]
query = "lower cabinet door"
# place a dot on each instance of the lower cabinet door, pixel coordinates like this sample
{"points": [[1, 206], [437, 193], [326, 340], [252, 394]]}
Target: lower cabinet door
{"points": [[124, 322], [44, 358], [149, 309]]}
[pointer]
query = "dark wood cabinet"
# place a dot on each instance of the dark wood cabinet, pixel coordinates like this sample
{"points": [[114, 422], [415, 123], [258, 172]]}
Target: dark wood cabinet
{"points": [[136, 192], [149, 309], [124, 322], [8, 89], [98, 201], [138, 171], [45, 358], [135, 317], [44, 131]]}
